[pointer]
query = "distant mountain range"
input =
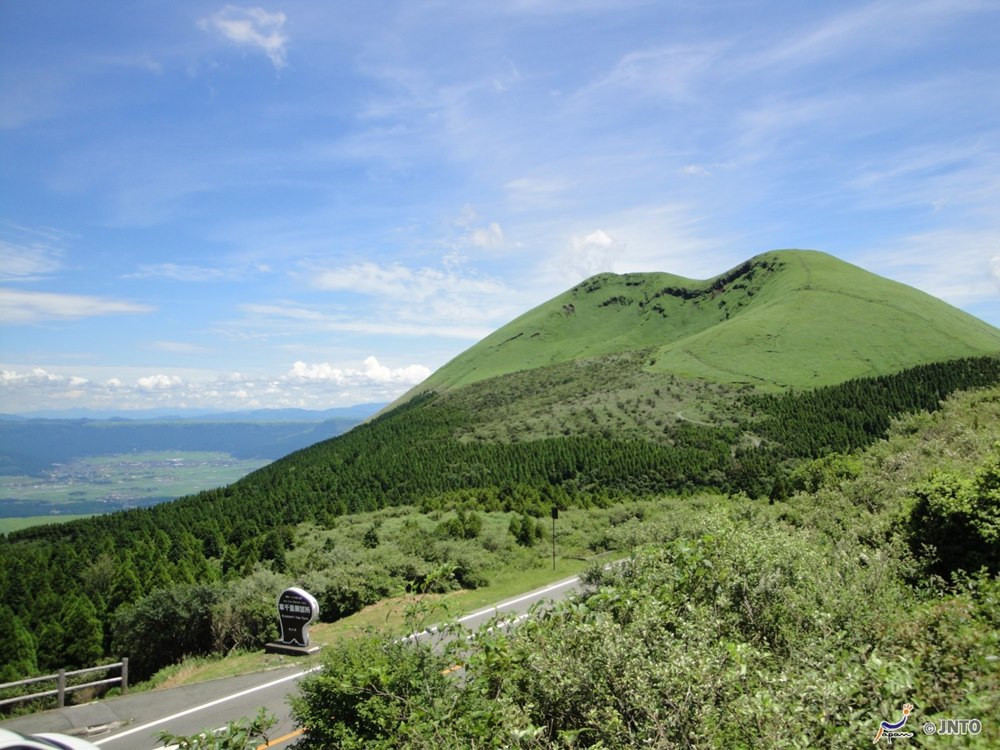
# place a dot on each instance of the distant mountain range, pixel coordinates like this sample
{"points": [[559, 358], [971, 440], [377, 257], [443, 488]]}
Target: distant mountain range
{"points": [[32, 445]]}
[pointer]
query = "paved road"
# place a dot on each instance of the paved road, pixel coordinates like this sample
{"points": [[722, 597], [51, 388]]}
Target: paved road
{"points": [[133, 722]]}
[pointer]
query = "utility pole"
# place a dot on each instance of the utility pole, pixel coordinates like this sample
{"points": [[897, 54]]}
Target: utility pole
{"points": [[555, 515]]}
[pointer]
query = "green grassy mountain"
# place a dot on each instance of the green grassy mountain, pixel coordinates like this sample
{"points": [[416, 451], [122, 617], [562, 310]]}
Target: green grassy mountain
{"points": [[784, 318], [624, 387]]}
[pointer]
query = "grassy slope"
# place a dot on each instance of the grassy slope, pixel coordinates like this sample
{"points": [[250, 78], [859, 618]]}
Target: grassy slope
{"points": [[821, 321], [786, 318]]}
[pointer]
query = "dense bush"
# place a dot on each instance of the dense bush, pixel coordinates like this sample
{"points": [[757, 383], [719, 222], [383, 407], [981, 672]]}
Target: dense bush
{"points": [[340, 593], [752, 636], [244, 617], [194, 620], [242, 734], [741, 624], [373, 688], [18, 656], [165, 626], [955, 520]]}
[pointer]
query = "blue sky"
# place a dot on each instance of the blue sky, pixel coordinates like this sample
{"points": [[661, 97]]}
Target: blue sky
{"points": [[315, 204]]}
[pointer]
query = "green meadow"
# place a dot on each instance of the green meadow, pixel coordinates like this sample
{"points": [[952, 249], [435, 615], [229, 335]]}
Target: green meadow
{"points": [[788, 318]]}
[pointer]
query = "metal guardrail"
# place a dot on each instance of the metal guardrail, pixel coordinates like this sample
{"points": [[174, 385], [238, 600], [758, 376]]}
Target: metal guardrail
{"points": [[62, 688]]}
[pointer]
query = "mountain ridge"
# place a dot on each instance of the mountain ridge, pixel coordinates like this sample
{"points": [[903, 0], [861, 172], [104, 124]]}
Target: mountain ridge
{"points": [[776, 321]]}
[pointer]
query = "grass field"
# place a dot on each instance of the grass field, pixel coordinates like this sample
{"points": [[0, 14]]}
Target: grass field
{"points": [[8, 525]]}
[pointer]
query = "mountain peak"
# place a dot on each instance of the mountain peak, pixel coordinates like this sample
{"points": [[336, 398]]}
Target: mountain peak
{"points": [[783, 318]]}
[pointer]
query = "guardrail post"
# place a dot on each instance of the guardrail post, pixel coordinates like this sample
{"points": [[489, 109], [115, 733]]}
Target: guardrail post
{"points": [[61, 687]]}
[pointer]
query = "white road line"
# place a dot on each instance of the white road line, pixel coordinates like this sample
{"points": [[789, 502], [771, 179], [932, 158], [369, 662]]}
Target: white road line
{"points": [[493, 609], [203, 706], [518, 600]]}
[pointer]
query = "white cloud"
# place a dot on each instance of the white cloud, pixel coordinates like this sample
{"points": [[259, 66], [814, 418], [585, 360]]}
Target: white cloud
{"points": [[317, 385], [695, 170], [159, 382], [31, 262], [401, 282], [35, 375], [319, 321], [289, 311], [488, 237], [18, 307], [427, 301], [960, 173], [537, 193], [371, 371], [591, 254], [862, 31], [179, 347], [672, 73], [664, 237], [962, 267], [30, 253], [253, 27], [598, 238], [178, 272]]}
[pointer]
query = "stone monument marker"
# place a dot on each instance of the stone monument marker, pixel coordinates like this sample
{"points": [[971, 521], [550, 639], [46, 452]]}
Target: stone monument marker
{"points": [[297, 609]]}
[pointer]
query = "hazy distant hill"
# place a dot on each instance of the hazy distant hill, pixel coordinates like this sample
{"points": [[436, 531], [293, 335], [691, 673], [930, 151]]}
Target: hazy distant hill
{"points": [[784, 318], [30, 446], [358, 411]]}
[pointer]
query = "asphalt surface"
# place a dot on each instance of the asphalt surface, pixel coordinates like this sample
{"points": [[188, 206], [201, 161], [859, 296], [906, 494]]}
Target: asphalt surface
{"points": [[134, 722]]}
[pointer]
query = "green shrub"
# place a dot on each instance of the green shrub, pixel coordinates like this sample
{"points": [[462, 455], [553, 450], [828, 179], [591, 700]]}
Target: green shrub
{"points": [[165, 626], [954, 523], [378, 693], [242, 734], [246, 616], [345, 592], [462, 525]]}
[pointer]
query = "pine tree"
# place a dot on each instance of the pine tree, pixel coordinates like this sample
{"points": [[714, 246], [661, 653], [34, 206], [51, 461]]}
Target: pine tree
{"points": [[18, 658], [126, 588], [83, 636]]}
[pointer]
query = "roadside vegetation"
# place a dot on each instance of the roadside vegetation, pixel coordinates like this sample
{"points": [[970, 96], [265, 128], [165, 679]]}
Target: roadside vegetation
{"points": [[736, 623]]}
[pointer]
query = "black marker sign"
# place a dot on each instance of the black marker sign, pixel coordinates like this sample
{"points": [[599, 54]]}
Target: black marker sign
{"points": [[296, 609]]}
